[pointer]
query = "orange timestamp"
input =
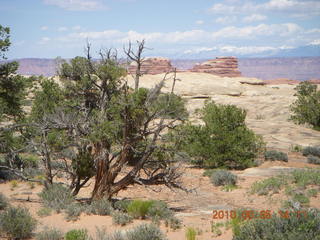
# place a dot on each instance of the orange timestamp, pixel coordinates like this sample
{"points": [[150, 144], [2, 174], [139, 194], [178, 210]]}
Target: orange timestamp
{"points": [[253, 214]]}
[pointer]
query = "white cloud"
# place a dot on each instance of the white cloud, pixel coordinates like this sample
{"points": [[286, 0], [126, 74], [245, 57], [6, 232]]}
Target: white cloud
{"points": [[44, 40], [76, 5], [226, 19], [44, 28], [199, 22], [254, 18], [62, 29], [76, 28], [285, 29], [315, 42], [293, 7]]}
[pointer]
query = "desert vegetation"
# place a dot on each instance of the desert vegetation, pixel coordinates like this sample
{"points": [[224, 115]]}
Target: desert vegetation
{"points": [[89, 146]]}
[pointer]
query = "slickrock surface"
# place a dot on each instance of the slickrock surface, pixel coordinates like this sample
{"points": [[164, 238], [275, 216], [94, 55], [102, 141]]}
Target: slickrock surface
{"points": [[221, 66], [152, 66], [281, 81]]}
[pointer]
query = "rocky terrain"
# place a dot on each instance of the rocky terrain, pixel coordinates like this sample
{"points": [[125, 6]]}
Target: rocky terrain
{"points": [[221, 66]]}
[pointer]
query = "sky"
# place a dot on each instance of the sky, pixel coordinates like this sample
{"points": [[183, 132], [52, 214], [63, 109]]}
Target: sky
{"points": [[171, 28]]}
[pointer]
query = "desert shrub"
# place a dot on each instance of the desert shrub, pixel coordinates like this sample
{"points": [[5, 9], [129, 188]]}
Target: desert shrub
{"points": [[223, 177], [145, 232], [73, 211], [56, 197], [305, 110], [49, 234], [311, 150], [171, 106], [173, 222], [139, 208], [191, 233], [305, 177], [17, 223], [77, 234], [300, 198], [3, 201], [43, 212], [159, 210], [274, 155], [312, 192], [101, 234], [122, 205], [30, 161], [279, 228], [313, 160], [223, 141], [273, 184], [101, 207], [121, 218]]}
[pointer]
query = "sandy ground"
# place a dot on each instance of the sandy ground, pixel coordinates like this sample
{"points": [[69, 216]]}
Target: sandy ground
{"points": [[268, 112]]}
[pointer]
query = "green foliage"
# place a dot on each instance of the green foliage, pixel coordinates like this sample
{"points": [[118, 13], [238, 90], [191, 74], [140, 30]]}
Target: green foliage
{"points": [[101, 207], [101, 234], [305, 177], [139, 208], [159, 210], [306, 109], [301, 199], [3, 201], [278, 228], [170, 106], [274, 155], [17, 223], [191, 233], [311, 150], [223, 177], [145, 232], [49, 234], [73, 211], [122, 205], [313, 160], [83, 164], [56, 197], [30, 160], [44, 212], [4, 41], [173, 222], [312, 192], [121, 218], [263, 187], [224, 140], [77, 234], [47, 99]]}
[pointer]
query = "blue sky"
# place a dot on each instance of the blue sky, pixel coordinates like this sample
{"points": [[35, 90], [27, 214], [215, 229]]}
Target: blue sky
{"points": [[171, 28]]}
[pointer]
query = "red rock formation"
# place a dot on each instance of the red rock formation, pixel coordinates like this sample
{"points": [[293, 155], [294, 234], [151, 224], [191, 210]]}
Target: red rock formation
{"points": [[221, 66], [152, 66]]}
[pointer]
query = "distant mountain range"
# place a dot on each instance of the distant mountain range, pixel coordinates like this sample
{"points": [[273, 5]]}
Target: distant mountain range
{"points": [[295, 68]]}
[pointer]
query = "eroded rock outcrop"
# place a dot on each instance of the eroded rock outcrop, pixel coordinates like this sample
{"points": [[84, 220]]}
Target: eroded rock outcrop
{"points": [[221, 66], [152, 66]]}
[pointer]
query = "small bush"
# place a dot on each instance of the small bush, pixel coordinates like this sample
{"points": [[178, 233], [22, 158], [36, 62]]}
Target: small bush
{"points": [[56, 197], [44, 212], [77, 234], [313, 160], [191, 233], [305, 110], [223, 177], [173, 222], [279, 228], [101, 207], [301, 198], [312, 192], [139, 208], [3, 201], [265, 186], [49, 234], [122, 205], [313, 151], [17, 223], [145, 232], [274, 155], [101, 234], [73, 211], [159, 210], [121, 218], [305, 177]]}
